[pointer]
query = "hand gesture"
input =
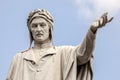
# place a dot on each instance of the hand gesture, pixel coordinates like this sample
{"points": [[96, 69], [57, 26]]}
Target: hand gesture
{"points": [[102, 21]]}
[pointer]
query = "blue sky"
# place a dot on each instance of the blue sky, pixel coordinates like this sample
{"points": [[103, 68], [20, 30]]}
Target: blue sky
{"points": [[72, 19]]}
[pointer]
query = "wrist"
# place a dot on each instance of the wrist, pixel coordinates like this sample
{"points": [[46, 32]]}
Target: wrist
{"points": [[93, 29]]}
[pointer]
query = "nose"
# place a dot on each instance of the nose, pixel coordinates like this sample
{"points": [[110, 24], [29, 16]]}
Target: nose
{"points": [[39, 27]]}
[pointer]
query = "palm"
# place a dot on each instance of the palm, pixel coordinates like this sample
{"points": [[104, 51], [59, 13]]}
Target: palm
{"points": [[102, 21]]}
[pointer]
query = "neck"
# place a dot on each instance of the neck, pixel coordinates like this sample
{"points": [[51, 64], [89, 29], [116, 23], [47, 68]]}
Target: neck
{"points": [[42, 45]]}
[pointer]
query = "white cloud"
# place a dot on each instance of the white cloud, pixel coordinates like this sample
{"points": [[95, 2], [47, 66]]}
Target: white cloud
{"points": [[91, 8]]}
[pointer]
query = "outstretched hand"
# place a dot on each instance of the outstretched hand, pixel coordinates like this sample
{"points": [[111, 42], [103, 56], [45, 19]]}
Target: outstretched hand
{"points": [[102, 21]]}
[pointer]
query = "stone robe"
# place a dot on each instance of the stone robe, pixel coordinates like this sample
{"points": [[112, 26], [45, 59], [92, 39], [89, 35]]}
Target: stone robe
{"points": [[55, 63]]}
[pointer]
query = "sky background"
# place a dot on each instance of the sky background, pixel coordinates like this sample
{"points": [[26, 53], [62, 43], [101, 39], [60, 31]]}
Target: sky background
{"points": [[72, 19]]}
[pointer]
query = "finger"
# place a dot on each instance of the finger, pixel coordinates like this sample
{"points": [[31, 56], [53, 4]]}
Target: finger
{"points": [[110, 19], [99, 24], [101, 21], [105, 14], [104, 20]]}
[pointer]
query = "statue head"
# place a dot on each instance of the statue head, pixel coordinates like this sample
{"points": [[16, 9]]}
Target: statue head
{"points": [[40, 13]]}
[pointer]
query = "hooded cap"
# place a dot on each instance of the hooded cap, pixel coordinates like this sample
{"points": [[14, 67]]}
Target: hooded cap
{"points": [[43, 14]]}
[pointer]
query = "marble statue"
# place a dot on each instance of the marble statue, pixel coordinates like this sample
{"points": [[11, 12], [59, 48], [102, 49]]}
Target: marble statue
{"points": [[44, 61]]}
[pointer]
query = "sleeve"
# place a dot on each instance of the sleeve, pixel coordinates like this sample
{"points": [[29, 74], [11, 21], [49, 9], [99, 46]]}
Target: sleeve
{"points": [[11, 71], [84, 51]]}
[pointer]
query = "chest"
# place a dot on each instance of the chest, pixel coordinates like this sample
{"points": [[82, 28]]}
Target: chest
{"points": [[46, 68]]}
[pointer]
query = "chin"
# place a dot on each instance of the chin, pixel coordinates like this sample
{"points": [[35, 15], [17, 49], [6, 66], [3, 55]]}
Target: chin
{"points": [[39, 40]]}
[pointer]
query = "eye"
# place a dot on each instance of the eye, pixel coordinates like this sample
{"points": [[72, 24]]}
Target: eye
{"points": [[43, 25], [34, 25]]}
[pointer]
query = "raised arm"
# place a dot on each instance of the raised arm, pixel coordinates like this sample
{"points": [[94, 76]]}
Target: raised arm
{"points": [[84, 51]]}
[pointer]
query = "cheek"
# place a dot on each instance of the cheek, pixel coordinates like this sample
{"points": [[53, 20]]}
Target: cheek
{"points": [[46, 30], [33, 33]]}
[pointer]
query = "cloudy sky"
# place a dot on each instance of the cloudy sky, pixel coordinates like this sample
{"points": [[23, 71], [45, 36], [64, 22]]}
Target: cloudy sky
{"points": [[72, 20]]}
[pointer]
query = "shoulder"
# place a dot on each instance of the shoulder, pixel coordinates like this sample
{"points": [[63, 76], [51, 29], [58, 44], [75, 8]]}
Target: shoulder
{"points": [[65, 47], [22, 53], [25, 51]]}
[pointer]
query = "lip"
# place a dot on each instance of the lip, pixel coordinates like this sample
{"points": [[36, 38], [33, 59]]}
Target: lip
{"points": [[39, 35]]}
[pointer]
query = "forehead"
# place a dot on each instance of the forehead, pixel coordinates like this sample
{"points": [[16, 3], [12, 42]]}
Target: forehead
{"points": [[38, 20]]}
